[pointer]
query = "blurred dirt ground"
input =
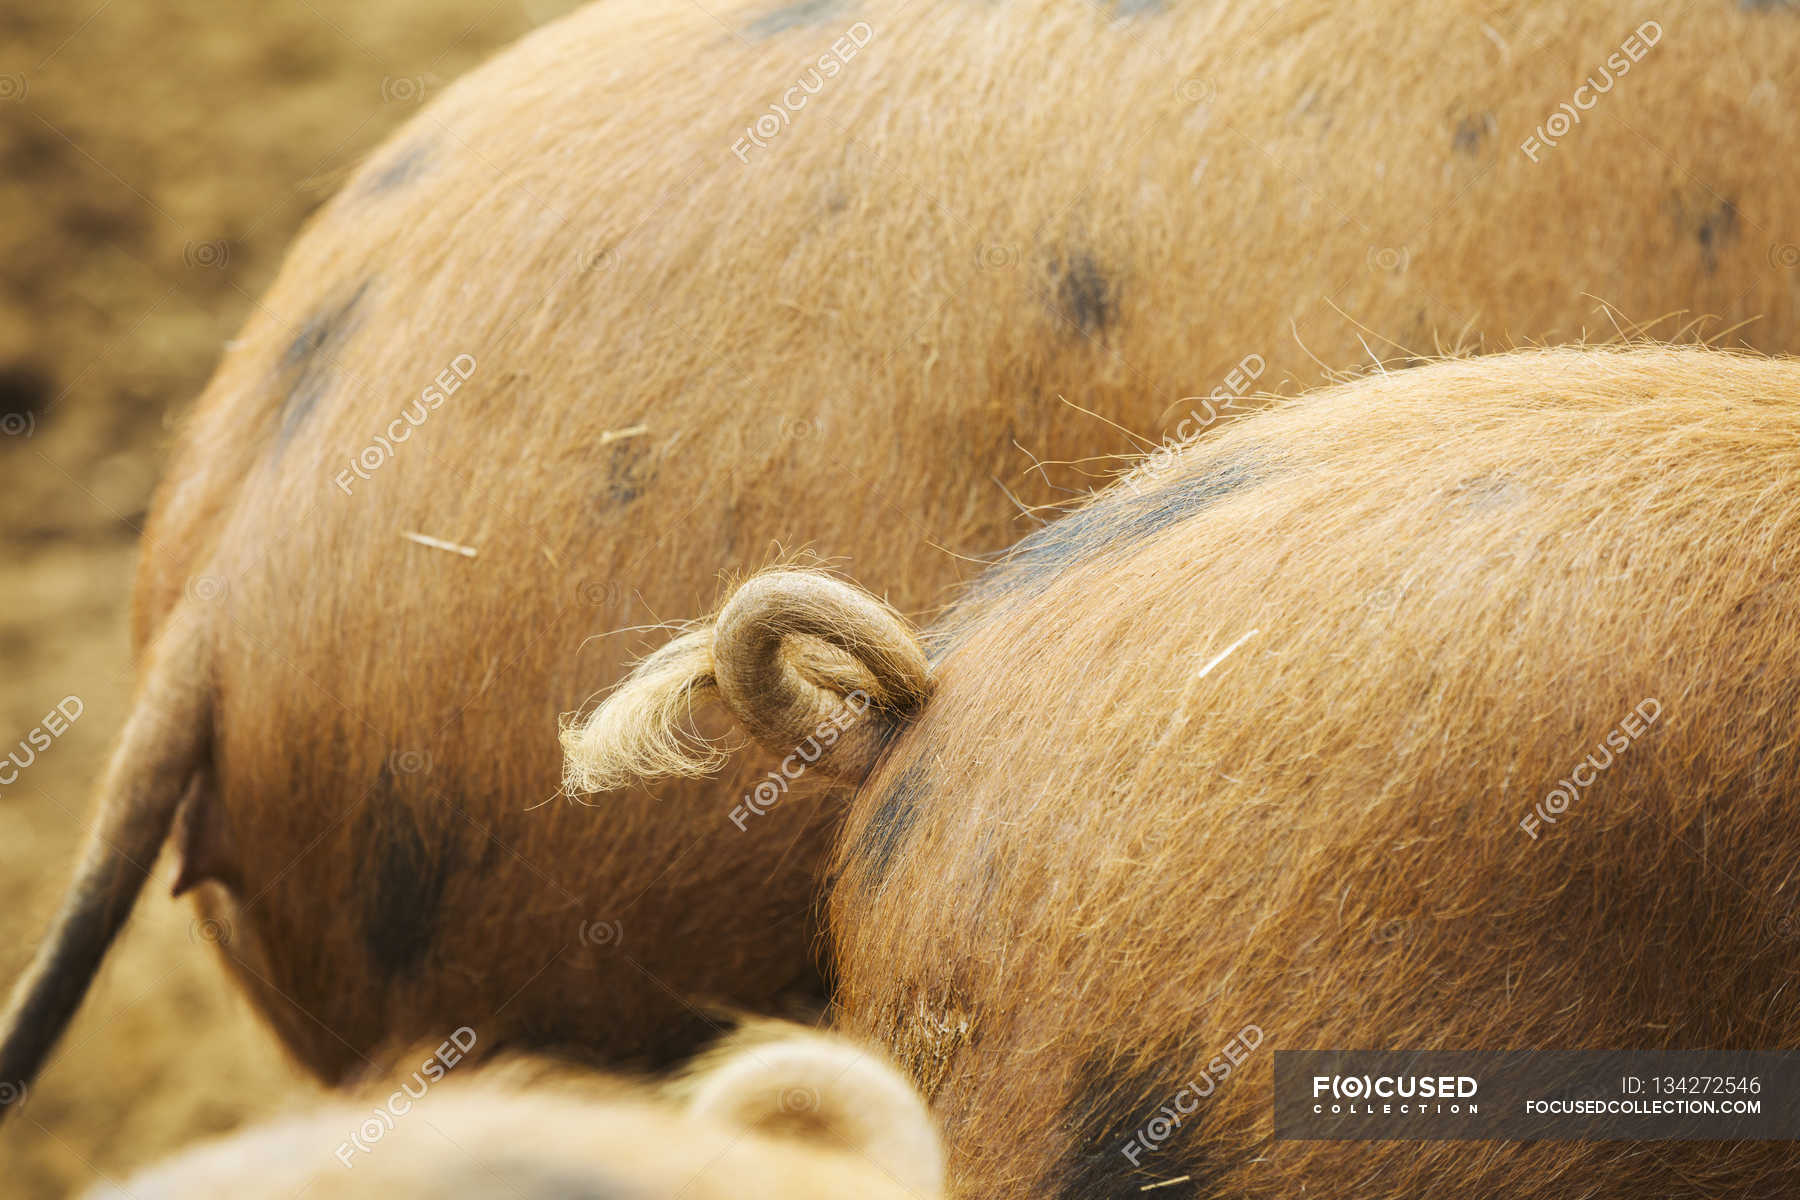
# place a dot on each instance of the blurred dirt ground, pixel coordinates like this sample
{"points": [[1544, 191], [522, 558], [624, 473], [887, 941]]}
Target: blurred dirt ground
{"points": [[155, 161]]}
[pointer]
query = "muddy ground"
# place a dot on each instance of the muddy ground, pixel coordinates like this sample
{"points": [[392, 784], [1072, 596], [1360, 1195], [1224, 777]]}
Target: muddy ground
{"points": [[155, 162]]}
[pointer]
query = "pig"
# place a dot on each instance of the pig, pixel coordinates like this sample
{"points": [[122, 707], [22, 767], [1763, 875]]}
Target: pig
{"points": [[1441, 709], [661, 289], [771, 1113]]}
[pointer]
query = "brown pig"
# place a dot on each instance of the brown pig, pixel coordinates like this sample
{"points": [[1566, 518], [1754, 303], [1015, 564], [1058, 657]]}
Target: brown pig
{"points": [[1443, 709], [666, 285]]}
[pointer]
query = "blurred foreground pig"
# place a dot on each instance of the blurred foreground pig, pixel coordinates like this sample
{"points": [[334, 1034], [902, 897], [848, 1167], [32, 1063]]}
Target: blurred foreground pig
{"points": [[661, 288], [1446, 709], [769, 1116]]}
